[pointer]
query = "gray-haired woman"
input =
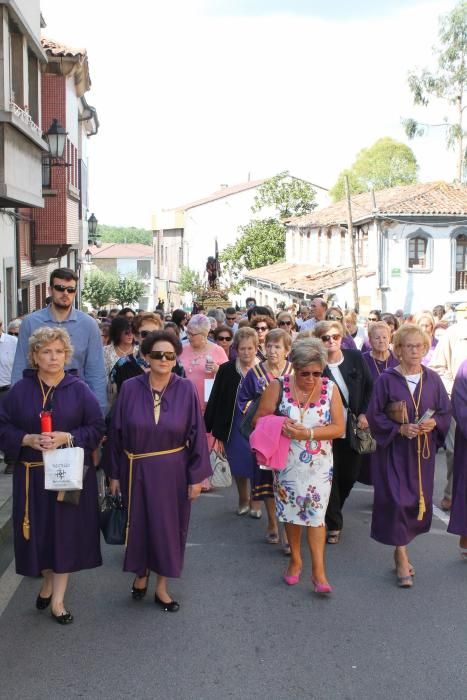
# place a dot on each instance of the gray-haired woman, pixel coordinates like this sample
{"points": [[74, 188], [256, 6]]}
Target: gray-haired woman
{"points": [[314, 417]]}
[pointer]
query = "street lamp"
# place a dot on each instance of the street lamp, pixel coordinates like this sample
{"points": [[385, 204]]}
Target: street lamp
{"points": [[56, 138], [92, 228], [88, 256]]}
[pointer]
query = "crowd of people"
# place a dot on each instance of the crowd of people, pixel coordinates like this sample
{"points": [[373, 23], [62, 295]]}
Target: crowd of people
{"points": [[280, 393]]}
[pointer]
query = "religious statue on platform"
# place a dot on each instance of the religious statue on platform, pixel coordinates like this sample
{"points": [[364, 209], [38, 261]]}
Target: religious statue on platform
{"points": [[213, 268]]}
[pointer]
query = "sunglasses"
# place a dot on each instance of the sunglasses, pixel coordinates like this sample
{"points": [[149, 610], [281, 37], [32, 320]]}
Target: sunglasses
{"points": [[327, 338], [13, 333], [261, 328], [62, 288], [372, 318], [310, 374], [285, 323], [128, 332], [225, 338], [144, 334], [231, 318], [335, 318], [162, 355]]}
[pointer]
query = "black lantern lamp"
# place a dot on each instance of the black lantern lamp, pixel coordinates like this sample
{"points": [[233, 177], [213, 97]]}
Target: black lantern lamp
{"points": [[56, 138], [88, 256]]}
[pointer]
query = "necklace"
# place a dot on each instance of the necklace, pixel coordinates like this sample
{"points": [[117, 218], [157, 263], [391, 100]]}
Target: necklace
{"points": [[157, 400], [376, 365], [303, 406], [416, 403]]}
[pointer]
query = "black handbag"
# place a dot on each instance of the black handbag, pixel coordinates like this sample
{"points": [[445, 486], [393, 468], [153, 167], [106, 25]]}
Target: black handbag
{"points": [[113, 519], [360, 440]]}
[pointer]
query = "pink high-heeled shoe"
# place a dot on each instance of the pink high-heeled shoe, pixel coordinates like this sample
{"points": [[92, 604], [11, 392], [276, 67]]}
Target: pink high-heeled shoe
{"points": [[322, 588], [292, 580]]}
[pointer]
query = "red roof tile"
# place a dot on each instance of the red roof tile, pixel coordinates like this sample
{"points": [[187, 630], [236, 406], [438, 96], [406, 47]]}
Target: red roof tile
{"points": [[56, 48], [420, 199], [311, 279], [122, 250]]}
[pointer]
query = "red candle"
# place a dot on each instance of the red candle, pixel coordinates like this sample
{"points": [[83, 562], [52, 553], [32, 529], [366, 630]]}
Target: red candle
{"points": [[46, 422]]}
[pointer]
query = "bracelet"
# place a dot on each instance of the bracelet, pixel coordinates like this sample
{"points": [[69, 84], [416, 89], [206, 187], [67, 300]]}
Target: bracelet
{"points": [[312, 433]]}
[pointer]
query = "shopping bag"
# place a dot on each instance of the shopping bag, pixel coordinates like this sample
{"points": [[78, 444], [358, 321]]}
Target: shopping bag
{"points": [[63, 469]]}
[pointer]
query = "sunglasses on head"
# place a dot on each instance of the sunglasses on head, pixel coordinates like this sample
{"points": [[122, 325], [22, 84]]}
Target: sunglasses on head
{"points": [[327, 338], [226, 338], [162, 355], [63, 288], [306, 373], [261, 328], [285, 323], [335, 318]]}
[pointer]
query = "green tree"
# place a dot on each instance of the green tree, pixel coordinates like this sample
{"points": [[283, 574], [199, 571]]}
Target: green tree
{"points": [[261, 242], [384, 164], [190, 280], [448, 82], [99, 288], [121, 234], [290, 196], [128, 290]]}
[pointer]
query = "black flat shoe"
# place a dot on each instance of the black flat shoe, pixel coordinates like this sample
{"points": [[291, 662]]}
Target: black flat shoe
{"points": [[173, 606], [65, 618], [43, 603], [139, 593]]}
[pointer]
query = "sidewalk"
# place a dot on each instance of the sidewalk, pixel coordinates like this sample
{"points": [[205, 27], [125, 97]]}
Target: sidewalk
{"points": [[6, 481]]}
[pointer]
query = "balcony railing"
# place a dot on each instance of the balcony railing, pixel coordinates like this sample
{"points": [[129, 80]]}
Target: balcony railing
{"points": [[461, 279], [25, 117]]}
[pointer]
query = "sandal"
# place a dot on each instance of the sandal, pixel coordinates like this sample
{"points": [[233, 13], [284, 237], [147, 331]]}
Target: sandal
{"points": [[405, 581], [272, 538], [333, 536]]}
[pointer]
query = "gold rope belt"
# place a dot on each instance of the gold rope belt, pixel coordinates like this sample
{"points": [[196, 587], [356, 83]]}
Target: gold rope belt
{"points": [[132, 457], [26, 523], [422, 453]]}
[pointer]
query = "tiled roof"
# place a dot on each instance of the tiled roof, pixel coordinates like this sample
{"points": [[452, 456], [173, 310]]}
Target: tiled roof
{"points": [[55, 48], [421, 199], [223, 192], [311, 279], [121, 250]]}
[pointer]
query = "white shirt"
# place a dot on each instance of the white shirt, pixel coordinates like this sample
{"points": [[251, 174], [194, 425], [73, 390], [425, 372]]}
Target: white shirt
{"points": [[309, 323], [337, 374], [8, 345]]}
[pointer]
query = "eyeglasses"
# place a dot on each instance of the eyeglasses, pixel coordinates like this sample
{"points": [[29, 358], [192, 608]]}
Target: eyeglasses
{"points": [[224, 338], [409, 346], [261, 328], [162, 355], [62, 288], [310, 374], [285, 323], [327, 338], [335, 318]]}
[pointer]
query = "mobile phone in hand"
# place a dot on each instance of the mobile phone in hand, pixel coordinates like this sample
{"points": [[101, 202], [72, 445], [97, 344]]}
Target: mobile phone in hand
{"points": [[426, 416]]}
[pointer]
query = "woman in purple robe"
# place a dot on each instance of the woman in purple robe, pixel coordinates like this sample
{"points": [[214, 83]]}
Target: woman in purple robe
{"points": [[458, 520], [158, 456], [378, 359], [404, 463], [52, 536]]}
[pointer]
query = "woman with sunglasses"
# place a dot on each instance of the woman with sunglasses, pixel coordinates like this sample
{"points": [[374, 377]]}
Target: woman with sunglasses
{"points": [[286, 322], [262, 325], [223, 337], [349, 371], [121, 345], [334, 313], [314, 417], [278, 344], [158, 456]]}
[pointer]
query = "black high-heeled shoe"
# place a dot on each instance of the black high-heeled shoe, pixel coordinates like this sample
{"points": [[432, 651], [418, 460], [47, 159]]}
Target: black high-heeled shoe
{"points": [[173, 606], [43, 603], [65, 618], [139, 593]]}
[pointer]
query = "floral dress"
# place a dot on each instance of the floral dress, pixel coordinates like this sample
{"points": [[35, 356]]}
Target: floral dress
{"points": [[302, 489]]}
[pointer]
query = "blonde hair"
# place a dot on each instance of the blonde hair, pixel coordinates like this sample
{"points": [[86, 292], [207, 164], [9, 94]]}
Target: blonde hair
{"points": [[245, 333], [45, 335], [277, 334], [379, 326], [400, 336], [323, 328], [428, 315]]}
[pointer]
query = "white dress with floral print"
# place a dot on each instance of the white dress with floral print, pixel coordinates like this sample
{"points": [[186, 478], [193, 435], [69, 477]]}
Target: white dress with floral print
{"points": [[302, 489]]}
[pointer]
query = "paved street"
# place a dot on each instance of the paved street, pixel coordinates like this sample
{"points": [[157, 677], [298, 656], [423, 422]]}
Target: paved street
{"points": [[241, 632]]}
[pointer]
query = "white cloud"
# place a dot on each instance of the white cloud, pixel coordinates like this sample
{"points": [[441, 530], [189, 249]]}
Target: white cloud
{"points": [[187, 102]]}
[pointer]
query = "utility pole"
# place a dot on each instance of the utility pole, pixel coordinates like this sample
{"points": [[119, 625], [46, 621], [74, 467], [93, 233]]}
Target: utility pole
{"points": [[352, 246]]}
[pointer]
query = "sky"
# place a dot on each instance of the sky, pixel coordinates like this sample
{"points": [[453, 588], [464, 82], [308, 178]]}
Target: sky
{"points": [[192, 94]]}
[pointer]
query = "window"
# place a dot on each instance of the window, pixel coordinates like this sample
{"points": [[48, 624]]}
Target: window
{"points": [[418, 253], [461, 261]]}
